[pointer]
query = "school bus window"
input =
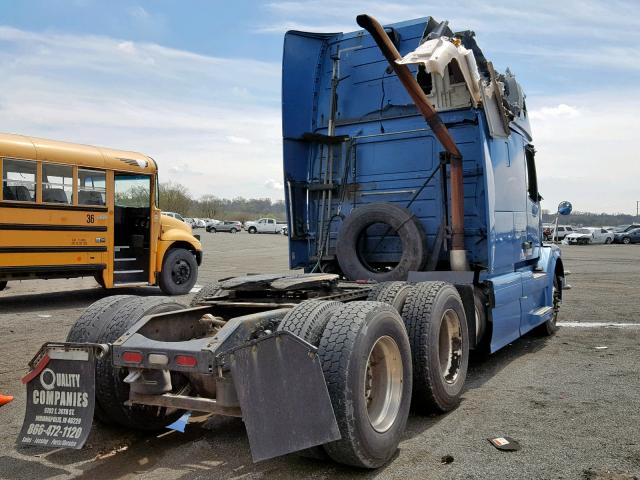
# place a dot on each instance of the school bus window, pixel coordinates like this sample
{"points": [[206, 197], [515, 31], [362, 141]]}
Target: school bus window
{"points": [[57, 183], [91, 187], [19, 180], [132, 190]]}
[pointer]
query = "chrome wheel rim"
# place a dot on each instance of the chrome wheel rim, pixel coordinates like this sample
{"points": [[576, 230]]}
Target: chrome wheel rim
{"points": [[383, 380], [450, 346]]}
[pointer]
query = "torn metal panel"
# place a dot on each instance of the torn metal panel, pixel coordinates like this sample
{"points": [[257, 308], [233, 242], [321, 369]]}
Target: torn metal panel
{"points": [[436, 55]]}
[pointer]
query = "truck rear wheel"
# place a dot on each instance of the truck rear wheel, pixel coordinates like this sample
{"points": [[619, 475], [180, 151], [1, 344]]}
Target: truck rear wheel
{"points": [[308, 319], [393, 293], [550, 327], [110, 387], [366, 360], [87, 329], [179, 272], [208, 290], [437, 329]]}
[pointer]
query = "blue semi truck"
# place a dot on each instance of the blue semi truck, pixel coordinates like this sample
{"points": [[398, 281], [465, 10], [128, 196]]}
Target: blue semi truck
{"points": [[414, 215]]}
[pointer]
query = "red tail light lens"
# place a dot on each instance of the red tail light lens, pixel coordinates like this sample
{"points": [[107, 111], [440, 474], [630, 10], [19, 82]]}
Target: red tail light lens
{"points": [[132, 357], [186, 361]]}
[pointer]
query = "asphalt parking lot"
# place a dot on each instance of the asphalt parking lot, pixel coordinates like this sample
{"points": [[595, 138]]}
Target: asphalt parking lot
{"points": [[574, 407]]}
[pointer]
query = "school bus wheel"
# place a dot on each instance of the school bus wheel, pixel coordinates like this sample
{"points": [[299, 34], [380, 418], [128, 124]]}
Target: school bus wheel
{"points": [[179, 272]]}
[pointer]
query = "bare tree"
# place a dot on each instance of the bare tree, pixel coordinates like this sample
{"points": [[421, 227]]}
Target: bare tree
{"points": [[175, 197]]}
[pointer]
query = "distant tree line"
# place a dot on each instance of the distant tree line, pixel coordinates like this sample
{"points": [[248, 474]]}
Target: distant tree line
{"points": [[587, 219], [175, 197]]}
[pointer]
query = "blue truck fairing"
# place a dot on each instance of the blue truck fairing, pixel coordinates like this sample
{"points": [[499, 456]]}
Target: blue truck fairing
{"points": [[381, 150]]}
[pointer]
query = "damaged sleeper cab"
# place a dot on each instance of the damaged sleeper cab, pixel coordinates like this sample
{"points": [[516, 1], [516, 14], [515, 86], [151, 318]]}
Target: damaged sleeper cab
{"points": [[419, 241]]}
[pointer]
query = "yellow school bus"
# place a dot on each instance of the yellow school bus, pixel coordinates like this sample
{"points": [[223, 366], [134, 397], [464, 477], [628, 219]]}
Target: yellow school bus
{"points": [[70, 210]]}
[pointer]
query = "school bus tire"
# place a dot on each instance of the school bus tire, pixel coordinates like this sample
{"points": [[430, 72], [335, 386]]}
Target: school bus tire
{"points": [[3, 285], [179, 272]]}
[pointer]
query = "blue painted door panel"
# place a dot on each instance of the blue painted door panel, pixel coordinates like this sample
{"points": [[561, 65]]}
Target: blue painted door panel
{"points": [[506, 313], [534, 286]]}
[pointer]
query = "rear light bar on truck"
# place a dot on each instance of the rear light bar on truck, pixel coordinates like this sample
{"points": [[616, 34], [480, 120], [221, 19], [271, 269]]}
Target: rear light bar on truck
{"points": [[136, 358]]}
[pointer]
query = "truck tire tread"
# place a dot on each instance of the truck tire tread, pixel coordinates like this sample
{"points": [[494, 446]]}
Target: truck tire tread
{"points": [[335, 352], [417, 314], [394, 293], [309, 319], [208, 290], [86, 330], [109, 386]]}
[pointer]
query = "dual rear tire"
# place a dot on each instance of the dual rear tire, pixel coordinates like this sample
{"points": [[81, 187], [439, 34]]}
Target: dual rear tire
{"points": [[378, 364], [366, 360], [104, 322]]}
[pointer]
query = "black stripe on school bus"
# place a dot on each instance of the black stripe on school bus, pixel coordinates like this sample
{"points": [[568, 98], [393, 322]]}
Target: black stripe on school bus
{"points": [[52, 269], [23, 249], [53, 206], [54, 228]]}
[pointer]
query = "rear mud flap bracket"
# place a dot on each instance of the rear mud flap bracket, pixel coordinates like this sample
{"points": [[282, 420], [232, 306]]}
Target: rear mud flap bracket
{"points": [[283, 396]]}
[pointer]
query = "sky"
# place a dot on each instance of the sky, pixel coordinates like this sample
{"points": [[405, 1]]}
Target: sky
{"points": [[196, 84]]}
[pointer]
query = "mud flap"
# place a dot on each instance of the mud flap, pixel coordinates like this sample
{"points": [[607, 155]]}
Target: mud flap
{"points": [[283, 396], [60, 395]]}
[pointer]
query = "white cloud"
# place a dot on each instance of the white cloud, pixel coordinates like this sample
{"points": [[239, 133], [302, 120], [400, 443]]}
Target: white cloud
{"points": [[238, 140], [586, 150], [274, 184], [181, 108], [559, 111], [138, 12]]}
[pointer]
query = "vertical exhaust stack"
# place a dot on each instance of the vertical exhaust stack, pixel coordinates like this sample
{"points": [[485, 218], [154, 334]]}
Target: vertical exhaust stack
{"points": [[458, 255]]}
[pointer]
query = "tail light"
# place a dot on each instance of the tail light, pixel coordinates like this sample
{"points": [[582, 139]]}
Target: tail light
{"points": [[132, 357], [186, 360]]}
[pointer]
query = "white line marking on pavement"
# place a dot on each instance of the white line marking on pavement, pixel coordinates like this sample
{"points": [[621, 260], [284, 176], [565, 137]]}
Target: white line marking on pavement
{"points": [[598, 325]]}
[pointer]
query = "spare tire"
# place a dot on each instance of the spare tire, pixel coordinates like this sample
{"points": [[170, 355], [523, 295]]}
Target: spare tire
{"points": [[401, 221]]}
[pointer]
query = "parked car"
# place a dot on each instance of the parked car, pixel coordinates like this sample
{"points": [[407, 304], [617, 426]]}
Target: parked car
{"points": [[629, 236], [211, 221], [588, 235], [626, 228], [547, 229], [266, 225], [226, 226], [175, 215], [199, 223], [563, 231]]}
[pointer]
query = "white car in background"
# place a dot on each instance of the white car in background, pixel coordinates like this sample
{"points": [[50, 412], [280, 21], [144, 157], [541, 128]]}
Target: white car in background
{"points": [[174, 215], [589, 235], [266, 225]]}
